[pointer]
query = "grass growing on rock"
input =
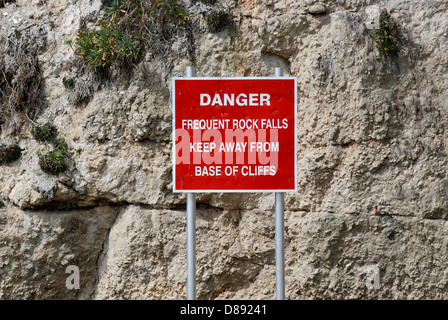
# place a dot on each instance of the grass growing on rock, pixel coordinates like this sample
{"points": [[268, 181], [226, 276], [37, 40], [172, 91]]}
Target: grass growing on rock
{"points": [[384, 38], [52, 158], [107, 46], [21, 78], [129, 31], [69, 83], [46, 133], [130, 27], [20, 83], [10, 153]]}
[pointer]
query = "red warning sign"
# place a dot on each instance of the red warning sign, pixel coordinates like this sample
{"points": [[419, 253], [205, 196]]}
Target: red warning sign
{"points": [[234, 134]]}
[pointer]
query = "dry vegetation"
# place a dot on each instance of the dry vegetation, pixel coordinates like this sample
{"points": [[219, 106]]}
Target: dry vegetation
{"points": [[20, 81]]}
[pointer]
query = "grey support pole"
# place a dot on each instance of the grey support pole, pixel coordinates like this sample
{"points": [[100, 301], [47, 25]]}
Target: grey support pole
{"points": [[279, 236], [191, 235], [191, 246], [279, 247]]}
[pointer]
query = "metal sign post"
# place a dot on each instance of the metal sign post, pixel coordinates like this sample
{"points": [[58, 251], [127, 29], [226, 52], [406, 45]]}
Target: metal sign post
{"points": [[235, 135], [279, 247], [279, 236], [191, 234]]}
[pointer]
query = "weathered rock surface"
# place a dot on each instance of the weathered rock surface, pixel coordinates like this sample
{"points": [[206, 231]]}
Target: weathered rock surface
{"points": [[36, 247], [373, 188]]}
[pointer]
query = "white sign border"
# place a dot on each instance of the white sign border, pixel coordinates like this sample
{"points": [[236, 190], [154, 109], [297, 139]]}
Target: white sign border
{"points": [[173, 151]]}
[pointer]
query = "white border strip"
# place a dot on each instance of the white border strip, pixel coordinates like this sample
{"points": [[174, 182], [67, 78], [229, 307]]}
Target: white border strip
{"points": [[173, 149]]}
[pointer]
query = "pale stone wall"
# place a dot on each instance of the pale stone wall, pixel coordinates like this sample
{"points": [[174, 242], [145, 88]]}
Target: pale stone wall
{"points": [[372, 163]]}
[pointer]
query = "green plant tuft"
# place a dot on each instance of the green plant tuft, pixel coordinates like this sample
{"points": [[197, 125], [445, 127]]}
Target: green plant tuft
{"points": [[130, 26], [10, 153], [46, 133], [217, 20], [171, 11], [108, 46], [114, 10], [69, 83], [384, 38], [52, 158]]}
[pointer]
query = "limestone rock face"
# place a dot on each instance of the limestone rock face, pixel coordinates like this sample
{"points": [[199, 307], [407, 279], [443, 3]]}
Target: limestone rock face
{"points": [[36, 247], [372, 160]]}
